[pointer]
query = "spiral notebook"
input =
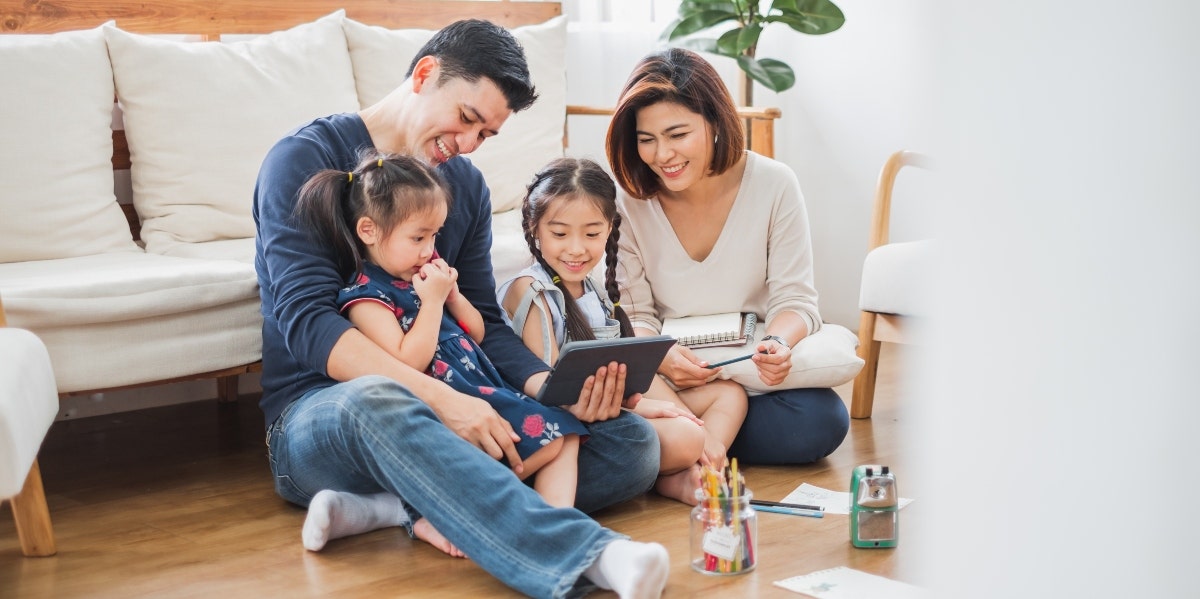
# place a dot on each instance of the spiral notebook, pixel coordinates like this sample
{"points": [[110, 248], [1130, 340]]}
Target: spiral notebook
{"points": [[711, 330]]}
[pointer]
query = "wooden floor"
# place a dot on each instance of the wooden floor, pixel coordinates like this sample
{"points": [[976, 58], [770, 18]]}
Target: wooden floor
{"points": [[177, 502]]}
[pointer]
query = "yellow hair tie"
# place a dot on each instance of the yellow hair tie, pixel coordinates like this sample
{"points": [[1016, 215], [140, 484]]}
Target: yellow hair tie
{"points": [[555, 280], [350, 177], [616, 304], [380, 163]]}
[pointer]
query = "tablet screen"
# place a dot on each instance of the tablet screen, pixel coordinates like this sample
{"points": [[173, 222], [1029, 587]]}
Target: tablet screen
{"points": [[581, 359]]}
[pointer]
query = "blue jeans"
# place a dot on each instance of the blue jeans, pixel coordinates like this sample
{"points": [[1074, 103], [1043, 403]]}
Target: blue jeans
{"points": [[793, 426], [372, 435]]}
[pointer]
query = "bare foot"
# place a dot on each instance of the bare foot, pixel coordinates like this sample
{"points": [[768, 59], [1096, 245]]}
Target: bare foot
{"points": [[426, 532], [680, 486]]}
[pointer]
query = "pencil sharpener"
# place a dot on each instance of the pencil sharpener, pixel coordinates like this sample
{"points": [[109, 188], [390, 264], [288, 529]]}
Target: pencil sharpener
{"points": [[874, 507]]}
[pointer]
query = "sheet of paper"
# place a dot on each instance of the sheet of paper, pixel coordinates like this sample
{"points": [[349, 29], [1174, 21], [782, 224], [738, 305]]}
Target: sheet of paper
{"points": [[833, 501], [847, 583]]}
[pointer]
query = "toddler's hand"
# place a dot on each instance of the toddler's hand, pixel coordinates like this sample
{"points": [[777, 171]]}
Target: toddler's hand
{"points": [[432, 284]]}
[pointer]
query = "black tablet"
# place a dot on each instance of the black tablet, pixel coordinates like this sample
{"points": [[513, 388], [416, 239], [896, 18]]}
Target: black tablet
{"points": [[581, 359]]}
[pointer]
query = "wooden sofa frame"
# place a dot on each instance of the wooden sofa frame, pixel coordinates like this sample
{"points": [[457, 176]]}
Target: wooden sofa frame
{"points": [[209, 20]]}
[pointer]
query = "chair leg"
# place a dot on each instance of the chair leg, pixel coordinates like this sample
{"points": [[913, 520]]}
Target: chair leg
{"points": [[863, 398], [33, 517], [227, 389]]}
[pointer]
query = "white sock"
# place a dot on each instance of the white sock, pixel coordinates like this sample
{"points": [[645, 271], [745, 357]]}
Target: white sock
{"points": [[334, 514], [634, 570]]}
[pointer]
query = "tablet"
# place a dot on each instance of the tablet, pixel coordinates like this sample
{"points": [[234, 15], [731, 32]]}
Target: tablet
{"points": [[581, 359]]}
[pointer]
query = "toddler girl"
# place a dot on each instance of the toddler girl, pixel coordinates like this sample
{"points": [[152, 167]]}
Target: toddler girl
{"points": [[381, 221]]}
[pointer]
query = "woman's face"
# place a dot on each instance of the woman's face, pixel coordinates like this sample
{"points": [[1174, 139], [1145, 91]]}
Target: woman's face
{"points": [[676, 143]]}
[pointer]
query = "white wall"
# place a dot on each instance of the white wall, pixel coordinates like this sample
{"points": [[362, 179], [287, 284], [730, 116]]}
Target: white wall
{"points": [[1058, 416], [857, 99]]}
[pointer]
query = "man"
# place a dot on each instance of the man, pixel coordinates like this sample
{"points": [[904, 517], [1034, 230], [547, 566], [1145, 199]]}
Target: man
{"points": [[365, 451]]}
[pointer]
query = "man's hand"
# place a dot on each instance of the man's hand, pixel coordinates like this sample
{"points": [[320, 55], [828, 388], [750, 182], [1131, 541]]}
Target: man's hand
{"points": [[684, 369], [476, 421]]}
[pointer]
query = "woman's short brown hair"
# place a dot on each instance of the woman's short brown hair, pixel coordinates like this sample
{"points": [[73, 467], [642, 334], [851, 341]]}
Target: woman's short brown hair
{"points": [[682, 77]]}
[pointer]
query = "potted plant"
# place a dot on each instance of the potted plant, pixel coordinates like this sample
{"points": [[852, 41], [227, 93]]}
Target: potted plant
{"points": [[813, 17]]}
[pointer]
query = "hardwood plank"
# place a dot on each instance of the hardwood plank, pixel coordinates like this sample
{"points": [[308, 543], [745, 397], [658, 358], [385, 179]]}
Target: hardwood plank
{"points": [[178, 502], [254, 16]]}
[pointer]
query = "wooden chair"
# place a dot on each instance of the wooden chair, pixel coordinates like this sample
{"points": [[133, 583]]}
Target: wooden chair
{"points": [[890, 273], [39, 405]]}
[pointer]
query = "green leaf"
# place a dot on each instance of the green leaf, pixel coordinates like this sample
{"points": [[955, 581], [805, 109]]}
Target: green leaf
{"points": [[773, 74], [697, 22], [814, 17], [736, 41], [701, 44]]}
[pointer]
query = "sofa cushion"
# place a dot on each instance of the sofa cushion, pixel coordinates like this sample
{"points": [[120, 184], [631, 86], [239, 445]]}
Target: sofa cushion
{"points": [[510, 253], [28, 404], [897, 279], [528, 140], [200, 117], [56, 183], [120, 319], [825, 358], [223, 249]]}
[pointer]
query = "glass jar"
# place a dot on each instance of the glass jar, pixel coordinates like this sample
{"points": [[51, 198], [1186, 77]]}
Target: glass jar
{"points": [[724, 534]]}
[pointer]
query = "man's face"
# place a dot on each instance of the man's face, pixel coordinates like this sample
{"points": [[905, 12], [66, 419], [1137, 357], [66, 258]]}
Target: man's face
{"points": [[454, 117]]}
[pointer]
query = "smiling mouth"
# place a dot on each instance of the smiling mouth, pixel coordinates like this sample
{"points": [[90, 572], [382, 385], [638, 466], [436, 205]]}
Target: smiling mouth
{"points": [[671, 170], [441, 146]]}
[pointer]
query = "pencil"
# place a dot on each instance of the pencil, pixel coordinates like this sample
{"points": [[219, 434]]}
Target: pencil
{"points": [[732, 360]]}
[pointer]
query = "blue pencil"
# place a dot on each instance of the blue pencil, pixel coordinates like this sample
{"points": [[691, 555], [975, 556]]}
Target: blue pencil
{"points": [[789, 510], [732, 360]]}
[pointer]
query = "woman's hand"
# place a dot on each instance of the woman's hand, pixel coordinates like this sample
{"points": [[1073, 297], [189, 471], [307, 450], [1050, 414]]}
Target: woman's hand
{"points": [[657, 408], [773, 365], [684, 369]]}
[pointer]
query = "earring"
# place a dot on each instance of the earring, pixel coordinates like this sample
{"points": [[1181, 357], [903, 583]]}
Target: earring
{"points": [[715, 138]]}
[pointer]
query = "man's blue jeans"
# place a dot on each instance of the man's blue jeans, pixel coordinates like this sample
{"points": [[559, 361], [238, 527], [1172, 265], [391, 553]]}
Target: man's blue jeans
{"points": [[372, 435]]}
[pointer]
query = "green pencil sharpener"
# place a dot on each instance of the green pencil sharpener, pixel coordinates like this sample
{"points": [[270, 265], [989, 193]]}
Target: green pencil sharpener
{"points": [[874, 507]]}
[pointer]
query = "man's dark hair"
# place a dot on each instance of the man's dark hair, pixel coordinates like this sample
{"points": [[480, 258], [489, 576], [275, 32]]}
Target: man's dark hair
{"points": [[475, 48]]}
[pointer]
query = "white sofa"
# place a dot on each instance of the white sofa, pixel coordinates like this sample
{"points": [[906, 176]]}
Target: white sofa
{"points": [[198, 117]]}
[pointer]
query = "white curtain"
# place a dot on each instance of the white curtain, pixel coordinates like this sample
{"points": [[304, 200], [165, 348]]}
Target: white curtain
{"points": [[605, 39]]}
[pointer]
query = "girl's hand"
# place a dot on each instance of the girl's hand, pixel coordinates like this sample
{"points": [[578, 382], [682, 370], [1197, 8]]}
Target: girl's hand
{"points": [[657, 408], [714, 452], [454, 294], [774, 365], [602, 395], [433, 283], [684, 369]]}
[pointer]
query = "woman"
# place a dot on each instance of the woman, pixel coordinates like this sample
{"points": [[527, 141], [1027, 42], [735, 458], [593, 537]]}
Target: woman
{"points": [[708, 227]]}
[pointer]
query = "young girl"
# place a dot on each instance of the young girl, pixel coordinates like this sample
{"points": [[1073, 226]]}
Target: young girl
{"points": [[381, 220], [571, 223]]}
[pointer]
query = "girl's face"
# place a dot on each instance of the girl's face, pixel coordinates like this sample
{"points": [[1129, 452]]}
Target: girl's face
{"points": [[676, 143], [572, 235], [409, 245]]}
